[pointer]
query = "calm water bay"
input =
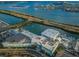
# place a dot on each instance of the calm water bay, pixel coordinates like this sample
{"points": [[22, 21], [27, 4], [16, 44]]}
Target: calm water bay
{"points": [[28, 8]]}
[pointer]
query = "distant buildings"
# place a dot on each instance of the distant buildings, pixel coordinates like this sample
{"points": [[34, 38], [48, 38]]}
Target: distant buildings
{"points": [[71, 7]]}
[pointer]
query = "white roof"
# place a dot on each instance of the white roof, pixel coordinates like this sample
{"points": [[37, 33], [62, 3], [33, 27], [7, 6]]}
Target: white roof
{"points": [[28, 33], [38, 39], [42, 41], [50, 33], [77, 46], [50, 46]]}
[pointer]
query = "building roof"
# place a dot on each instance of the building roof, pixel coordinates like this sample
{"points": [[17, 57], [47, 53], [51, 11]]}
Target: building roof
{"points": [[38, 39], [44, 43], [51, 33], [2, 24], [18, 38], [77, 46], [28, 33]]}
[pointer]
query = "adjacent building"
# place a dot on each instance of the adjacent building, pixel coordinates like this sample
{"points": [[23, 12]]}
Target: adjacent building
{"points": [[47, 46], [66, 42], [49, 41], [18, 40], [77, 46]]}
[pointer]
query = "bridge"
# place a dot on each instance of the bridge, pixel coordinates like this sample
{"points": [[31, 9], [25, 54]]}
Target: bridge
{"points": [[33, 19]]}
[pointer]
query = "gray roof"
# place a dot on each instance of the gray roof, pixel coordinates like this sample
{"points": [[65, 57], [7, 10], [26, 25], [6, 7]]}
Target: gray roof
{"points": [[17, 38], [2, 24], [13, 38]]}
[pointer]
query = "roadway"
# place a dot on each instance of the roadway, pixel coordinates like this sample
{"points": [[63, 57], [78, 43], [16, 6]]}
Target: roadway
{"points": [[20, 52], [33, 19]]}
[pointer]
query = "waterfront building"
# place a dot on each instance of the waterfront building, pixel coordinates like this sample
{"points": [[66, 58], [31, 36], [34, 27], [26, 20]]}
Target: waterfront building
{"points": [[26, 39], [3, 24], [48, 47], [66, 42], [17, 40], [51, 34], [13, 38]]}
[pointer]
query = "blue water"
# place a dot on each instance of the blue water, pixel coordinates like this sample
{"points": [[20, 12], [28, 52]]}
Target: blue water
{"points": [[28, 8]]}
